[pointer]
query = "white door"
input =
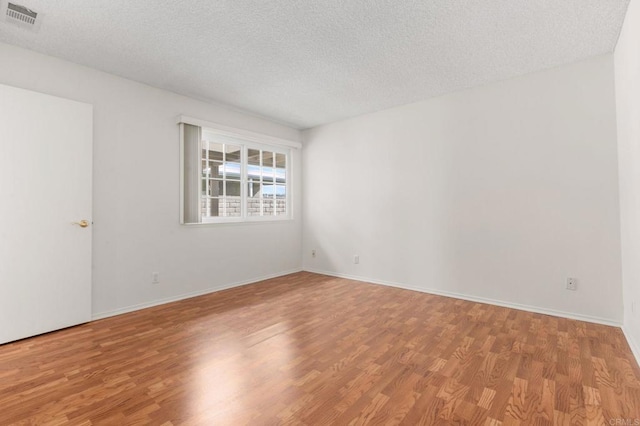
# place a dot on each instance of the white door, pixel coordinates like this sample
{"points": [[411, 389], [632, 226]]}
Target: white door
{"points": [[45, 186]]}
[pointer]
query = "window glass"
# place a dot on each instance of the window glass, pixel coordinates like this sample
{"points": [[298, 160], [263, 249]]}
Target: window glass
{"points": [[221, 170], [235, 179]]}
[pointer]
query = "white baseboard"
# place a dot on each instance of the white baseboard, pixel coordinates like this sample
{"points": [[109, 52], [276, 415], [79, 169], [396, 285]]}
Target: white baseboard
{"points": [[157, 302], [635, 347], [528, 308]]}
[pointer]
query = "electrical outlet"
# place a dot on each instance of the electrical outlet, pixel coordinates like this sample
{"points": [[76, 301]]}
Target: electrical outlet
{"points": [[313, 253], [356, 259], [572, 284], [155, 278]]}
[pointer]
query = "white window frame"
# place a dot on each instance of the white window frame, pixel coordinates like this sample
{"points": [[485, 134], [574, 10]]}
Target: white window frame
{"points": [[247, 140]]}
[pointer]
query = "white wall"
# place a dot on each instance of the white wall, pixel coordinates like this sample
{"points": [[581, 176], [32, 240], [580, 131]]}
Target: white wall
{"points": [[627, 72], [136, 193], [498, 192]]}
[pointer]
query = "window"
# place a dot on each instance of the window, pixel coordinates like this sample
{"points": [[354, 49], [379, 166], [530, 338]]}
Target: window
{"points": [[266, 183], [221, 179], [229, 178]]}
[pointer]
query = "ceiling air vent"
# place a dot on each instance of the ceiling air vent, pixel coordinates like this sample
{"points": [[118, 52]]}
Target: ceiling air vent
{"points": [[22, 16]]}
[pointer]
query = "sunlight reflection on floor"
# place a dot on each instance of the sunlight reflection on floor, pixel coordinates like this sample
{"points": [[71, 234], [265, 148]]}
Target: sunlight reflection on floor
{"points": [[221, 391]]}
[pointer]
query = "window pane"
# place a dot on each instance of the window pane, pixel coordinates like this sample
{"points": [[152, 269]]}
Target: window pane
{"points": [[267, 158], [281, 200], [232, 166], [253, 189], [215, 187], [232, 153], [210, 207], [269, 206], [230, 207], [232, 171], [253, 173], [214, 169], [268, 190], [233, 188], [253, 206], [280, 170], [281, 191], [268, 171], [253, 157], [215, 151], [203, 187]]}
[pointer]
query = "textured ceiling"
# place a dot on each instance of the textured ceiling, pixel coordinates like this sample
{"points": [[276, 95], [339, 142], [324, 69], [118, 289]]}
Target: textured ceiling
{"points": [[306, 63]]}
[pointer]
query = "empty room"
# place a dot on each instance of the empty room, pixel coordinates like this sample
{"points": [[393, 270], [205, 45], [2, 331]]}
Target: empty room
{"points": [[242, 212]]}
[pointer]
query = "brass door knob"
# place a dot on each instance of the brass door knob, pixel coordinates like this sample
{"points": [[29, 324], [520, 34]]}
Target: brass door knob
{"points": [[82, 224]]}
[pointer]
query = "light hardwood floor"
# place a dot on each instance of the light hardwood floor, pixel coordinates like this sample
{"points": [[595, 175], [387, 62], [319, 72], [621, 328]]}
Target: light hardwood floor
{"points": [[316, 350]]}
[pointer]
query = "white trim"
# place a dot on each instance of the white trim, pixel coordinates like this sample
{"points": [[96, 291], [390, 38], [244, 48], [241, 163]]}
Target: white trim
{"points": [[528, 308], [166, 300], [235, 132], [209, 220], [182, 174], [240, 222], [217, 220], [244, 173], [199, 180], [635, 347]]}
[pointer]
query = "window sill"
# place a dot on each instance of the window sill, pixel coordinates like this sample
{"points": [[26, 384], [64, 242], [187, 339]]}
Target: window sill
{"points": [[239, 222]]}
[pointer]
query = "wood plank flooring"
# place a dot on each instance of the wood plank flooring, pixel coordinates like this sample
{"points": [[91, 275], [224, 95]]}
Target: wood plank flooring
{"points": [[316, 350]]}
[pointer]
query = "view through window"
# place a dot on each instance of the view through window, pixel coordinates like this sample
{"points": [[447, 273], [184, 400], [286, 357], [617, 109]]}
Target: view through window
{"points": [[238, 180]]}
